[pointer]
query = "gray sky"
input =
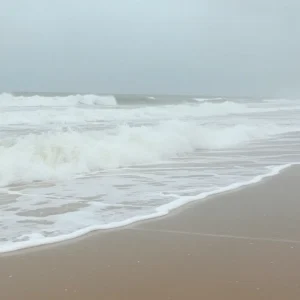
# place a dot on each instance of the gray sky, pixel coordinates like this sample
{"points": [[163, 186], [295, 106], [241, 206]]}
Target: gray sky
{"points": [[228, 47]]}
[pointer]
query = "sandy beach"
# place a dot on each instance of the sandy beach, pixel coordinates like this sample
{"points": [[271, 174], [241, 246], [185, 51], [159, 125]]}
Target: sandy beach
{"points": [[243, 244]]}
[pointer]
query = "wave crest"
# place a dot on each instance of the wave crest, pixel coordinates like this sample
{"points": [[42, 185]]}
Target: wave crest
{"points": [[58, 155]]}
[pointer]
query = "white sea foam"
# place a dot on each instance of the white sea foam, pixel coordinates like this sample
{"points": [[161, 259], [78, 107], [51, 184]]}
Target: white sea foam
{"points": [[73, 164], [58, 155], [37, 239]]}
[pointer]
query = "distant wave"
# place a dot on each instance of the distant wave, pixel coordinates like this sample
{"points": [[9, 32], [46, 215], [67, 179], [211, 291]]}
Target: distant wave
{"points": [[75, 115], [71, 100], [208, 99], [80, 115]]}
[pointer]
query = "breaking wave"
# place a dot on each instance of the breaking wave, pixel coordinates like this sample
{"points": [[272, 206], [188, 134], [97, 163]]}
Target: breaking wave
{"points": [[58, 155]]}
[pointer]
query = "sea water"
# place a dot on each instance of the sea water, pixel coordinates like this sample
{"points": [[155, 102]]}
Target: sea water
{"points": [[70, 164]]}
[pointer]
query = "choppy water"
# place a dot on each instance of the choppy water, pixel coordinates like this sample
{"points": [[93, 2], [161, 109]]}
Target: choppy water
{"points": [[76, 163]]}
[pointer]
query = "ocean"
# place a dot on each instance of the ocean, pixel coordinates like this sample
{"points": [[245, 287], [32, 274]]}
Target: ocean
{"points": [[72, 164]]}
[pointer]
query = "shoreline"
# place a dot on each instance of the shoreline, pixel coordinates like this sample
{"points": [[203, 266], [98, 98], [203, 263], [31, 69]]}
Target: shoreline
{"points": [[164, 211], [242, 244]]}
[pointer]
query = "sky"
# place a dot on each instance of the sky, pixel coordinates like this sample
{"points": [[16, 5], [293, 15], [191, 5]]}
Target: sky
{"points": [[211, 47]]}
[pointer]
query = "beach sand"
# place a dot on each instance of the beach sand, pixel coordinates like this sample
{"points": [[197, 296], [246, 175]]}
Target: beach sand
{"points": [[241, 245]]}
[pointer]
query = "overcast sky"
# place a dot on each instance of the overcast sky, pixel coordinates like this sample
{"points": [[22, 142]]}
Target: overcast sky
{"points": [[221, 47]]}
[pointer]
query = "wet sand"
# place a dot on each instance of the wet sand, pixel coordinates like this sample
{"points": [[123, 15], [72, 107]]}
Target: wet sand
{"points": [[240, 245]]}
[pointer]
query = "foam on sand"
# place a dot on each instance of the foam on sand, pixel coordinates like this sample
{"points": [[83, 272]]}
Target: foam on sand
{"points": [[33, 240]]}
